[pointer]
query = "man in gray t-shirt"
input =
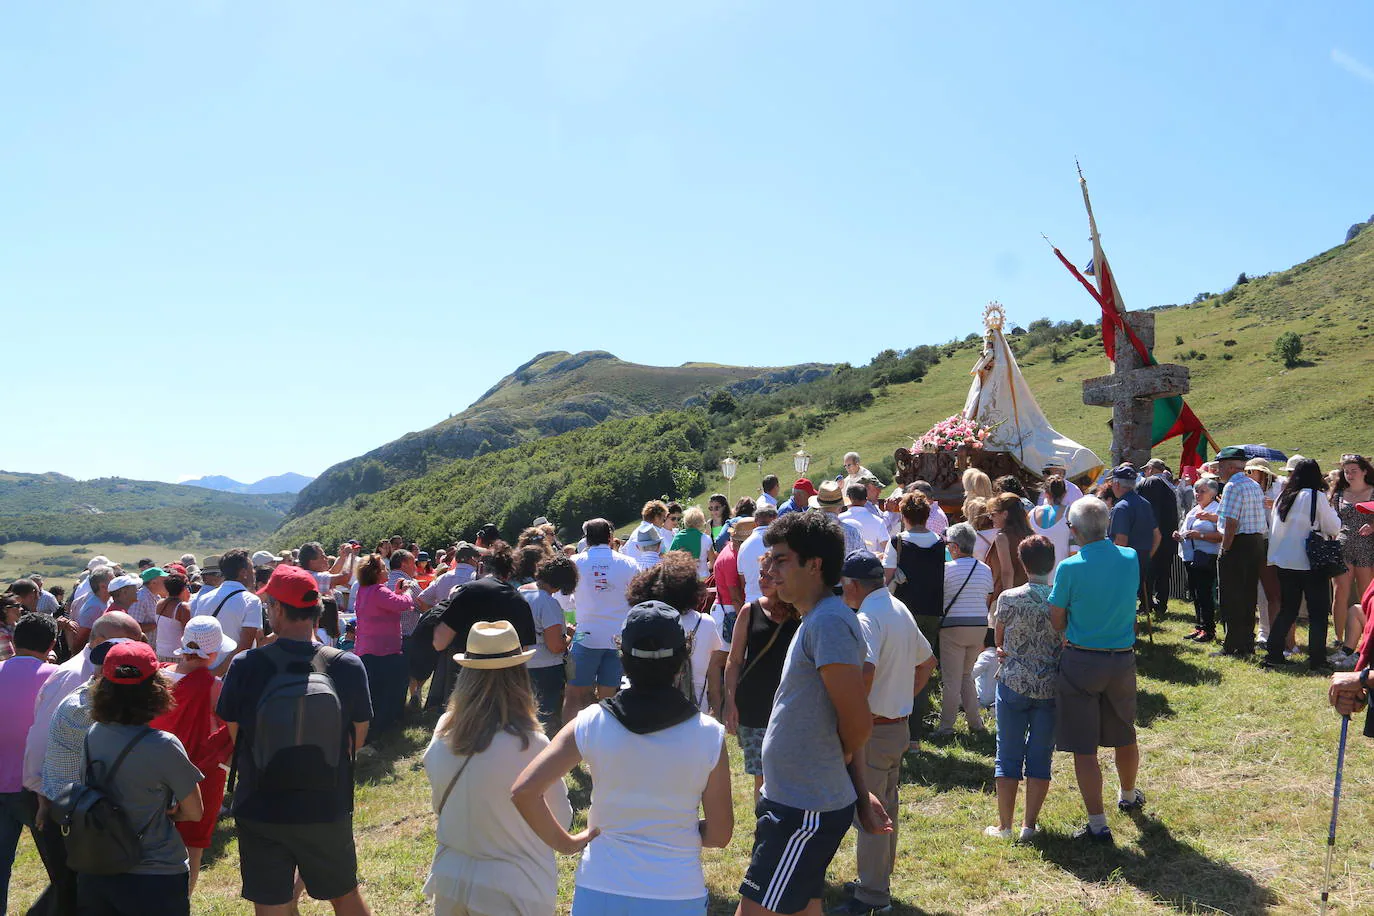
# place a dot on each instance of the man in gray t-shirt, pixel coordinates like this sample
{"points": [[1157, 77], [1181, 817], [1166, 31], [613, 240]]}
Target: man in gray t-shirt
{"points": [[803, 758], [813, 762]]}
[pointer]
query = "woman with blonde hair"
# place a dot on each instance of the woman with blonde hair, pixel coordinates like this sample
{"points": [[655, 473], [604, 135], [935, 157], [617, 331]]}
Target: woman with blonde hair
{"points": [[978, 484], [488, 862], [693, 539], [978, 513]]}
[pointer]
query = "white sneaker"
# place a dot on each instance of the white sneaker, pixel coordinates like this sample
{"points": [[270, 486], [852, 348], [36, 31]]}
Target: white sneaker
{"points": [[997, 833], [1028, 833], [1345, 664]]}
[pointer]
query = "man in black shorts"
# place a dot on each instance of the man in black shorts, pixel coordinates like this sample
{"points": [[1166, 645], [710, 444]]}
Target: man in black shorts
{"points": [[813, 763], [298, 712]]}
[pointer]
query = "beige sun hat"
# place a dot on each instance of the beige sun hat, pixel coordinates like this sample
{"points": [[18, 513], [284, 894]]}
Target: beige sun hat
{"points": [[493, 645]]}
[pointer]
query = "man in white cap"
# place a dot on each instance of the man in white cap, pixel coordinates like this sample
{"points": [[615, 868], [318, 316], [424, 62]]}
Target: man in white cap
{"points": [[83, 588], [86, 613]]}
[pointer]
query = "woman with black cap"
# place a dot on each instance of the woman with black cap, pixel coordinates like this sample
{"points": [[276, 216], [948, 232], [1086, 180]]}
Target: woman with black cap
{"points": [[655, 760]]}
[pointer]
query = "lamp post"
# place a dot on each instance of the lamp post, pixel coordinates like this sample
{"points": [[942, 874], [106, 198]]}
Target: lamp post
{"points": [[801, 460], [728, 468]]}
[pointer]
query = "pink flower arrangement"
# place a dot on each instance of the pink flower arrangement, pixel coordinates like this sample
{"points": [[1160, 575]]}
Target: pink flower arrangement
{"points": [[952, 433]]}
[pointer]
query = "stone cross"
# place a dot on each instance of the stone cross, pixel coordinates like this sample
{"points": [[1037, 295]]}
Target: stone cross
{"points": [[1131, 390]]}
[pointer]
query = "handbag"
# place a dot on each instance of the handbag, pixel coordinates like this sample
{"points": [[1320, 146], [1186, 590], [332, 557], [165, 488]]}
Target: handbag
{"points": [[1323, 553]]}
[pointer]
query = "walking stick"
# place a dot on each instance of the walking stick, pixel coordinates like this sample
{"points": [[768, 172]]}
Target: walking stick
{"points": [[1335, 809]]}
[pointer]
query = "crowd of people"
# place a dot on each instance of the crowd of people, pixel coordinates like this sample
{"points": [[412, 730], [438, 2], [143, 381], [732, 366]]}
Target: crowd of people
{"points": [[814, 627]]}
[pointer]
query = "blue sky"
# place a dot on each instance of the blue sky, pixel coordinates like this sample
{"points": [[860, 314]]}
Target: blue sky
{"points": [[252, 237]]}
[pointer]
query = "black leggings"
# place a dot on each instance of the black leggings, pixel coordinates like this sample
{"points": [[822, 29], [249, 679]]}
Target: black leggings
{"points": [[1202, 580], [1294, 585]]}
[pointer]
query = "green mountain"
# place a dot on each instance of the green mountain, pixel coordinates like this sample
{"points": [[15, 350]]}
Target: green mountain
{"points": [[551, 394], [609, 469], [1241, 391], [55, 509]]}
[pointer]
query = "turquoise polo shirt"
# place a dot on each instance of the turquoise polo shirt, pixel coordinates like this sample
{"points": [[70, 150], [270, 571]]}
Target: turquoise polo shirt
{"points": [[1099, 587]]}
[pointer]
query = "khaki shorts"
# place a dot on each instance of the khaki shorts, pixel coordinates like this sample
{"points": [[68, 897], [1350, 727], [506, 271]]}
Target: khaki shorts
{"points": [[1094, 700]]}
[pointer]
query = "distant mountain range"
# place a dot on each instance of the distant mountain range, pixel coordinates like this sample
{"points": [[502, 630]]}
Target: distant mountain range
{"points": [[281, 483], [55, 509]]}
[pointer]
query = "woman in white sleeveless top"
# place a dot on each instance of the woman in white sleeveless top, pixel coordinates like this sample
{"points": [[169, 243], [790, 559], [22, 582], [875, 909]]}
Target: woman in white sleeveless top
{"points": [[488, 862], [655, 760], [1052, 520]]}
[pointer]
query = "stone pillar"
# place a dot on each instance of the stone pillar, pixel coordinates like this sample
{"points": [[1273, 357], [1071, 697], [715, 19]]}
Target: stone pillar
{"points": [[1133, 418]]}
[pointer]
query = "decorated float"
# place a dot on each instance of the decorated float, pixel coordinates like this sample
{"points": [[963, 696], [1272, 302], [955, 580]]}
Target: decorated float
{"points": [[1000, 431]]}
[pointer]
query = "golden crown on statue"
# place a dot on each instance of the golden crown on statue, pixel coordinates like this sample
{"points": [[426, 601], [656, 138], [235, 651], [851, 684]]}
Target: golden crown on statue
{"points": [[994, 316]]}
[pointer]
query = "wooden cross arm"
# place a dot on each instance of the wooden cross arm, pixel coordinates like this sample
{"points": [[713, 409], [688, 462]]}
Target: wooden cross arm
{"points": [[1151, 382]]}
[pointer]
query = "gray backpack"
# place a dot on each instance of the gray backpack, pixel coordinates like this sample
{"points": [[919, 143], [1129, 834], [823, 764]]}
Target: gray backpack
{"points": [[298, 729]]}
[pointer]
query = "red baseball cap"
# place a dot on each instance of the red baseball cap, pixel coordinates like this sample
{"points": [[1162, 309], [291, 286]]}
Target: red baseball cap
{"points": [[805, 486], [176, 569], [292, 586], [129, 663]]}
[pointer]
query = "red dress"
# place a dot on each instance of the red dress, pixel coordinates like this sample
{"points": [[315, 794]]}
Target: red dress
{"points": [[207, 743]]}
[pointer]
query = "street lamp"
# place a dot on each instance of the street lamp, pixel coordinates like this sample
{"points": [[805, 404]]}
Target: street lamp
{"points": [[728, 468], [801, 460]]}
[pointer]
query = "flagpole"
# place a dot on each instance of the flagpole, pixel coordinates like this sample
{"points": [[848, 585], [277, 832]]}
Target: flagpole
{"points": [[1094, 235]]}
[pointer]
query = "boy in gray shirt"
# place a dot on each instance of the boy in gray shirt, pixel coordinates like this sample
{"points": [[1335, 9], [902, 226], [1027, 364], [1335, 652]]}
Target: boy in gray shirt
{"points": [[813, 749]]}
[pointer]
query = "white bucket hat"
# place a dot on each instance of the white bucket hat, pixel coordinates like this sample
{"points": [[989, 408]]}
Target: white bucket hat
{"points": [[203, 637]]}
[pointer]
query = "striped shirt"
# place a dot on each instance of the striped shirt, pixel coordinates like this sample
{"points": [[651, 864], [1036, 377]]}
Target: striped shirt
{"points": [[144, 608], [1243, 500]]}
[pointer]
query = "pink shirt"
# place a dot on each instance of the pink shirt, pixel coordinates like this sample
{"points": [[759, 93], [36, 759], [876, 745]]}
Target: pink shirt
{"points": [[727, 570], [379, 612], [20, 678]]}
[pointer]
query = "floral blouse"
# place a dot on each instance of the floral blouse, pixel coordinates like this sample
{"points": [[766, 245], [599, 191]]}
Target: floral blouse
{"points": [[1031, 644]]}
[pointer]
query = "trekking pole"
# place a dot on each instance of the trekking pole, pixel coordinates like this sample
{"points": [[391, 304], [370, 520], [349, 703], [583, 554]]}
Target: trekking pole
{"points": [[1335, 809]]}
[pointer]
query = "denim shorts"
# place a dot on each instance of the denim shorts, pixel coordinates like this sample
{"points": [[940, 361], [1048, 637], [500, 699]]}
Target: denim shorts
{"points": [[1025, 735], [593, 666], [587, 902]]}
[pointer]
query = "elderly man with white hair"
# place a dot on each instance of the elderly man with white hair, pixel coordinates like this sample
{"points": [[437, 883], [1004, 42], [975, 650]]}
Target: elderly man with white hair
{"points": [[854, 471], [1093, 603]]}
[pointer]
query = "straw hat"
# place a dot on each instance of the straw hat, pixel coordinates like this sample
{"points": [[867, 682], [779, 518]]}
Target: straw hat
{"points": [[1259, 464], [493, 645]]}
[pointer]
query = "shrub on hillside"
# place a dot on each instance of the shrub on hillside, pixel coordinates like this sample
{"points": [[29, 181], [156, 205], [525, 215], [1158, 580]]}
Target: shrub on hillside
{"points": [[1288, 349]]}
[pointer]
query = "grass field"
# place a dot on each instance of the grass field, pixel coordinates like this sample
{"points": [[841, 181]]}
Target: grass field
{"points": [[60, 564], [1238, 767]]}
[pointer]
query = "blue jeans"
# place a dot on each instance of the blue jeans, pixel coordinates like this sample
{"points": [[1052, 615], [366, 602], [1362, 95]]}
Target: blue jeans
{"points": [[1025, 735]]}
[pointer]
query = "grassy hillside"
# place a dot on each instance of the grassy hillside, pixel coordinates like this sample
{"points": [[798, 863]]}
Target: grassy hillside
{"points": [[1240, 391], [55, 509], [551, 394]]}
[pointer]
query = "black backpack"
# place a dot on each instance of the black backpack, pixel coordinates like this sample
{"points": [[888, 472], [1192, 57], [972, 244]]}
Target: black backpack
{"points": [[298, 728], [95, 827]]}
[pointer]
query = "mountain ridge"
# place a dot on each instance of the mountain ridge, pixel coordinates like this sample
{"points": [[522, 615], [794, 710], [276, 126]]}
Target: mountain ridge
{"points": [[290, 482], [554, 392]]}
